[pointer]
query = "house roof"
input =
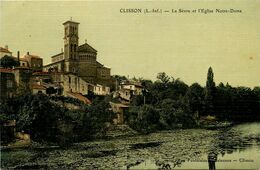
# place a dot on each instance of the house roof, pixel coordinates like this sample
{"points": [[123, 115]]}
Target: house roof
{"points": [[31, 56], [119, 104], [22, 59], [37, 86], [6, 70], [41, 73], [4, 50], [135, 83], [86, 48], [79, 97]]}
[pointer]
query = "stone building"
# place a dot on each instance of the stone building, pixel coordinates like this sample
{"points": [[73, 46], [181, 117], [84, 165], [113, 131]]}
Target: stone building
{"points": [[34, 62], [7, 83], [135, 87], [5, 51], [14, 80], [80, 60]]}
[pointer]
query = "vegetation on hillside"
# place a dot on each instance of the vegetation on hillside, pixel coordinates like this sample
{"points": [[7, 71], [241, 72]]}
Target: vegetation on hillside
{"points": [[47, 121], [167, 103], [175, 104]]}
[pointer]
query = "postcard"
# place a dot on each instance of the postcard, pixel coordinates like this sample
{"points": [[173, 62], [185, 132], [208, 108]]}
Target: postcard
{"points": [[130, 84]]}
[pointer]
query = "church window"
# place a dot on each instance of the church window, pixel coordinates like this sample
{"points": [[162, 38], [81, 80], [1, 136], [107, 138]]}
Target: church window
{"points": [[75, 47], [71, 46], [69, 80]]}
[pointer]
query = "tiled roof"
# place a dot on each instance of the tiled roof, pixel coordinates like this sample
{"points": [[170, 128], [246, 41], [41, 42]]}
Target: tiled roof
{"points": [[5, 50], [41, 73], [79, 97], [6, 70], [31, 56], [37, 86], [119, 104], [22, 59], [86, 48], [56, 55]]}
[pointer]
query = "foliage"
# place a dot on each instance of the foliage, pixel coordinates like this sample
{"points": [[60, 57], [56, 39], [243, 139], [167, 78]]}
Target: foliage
{"points": [[181, 105], [163, 77], [143, 118], [210, 92], [39, 116], [96, 117], [195, 98], [8, 62]]}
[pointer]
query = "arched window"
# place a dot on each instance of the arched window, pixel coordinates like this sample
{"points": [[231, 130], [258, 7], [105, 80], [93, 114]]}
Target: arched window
{"points": [[75, 47], [71, 47]]}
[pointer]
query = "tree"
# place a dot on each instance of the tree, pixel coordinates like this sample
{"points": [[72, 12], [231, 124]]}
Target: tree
{"points": [[195, 97], [163, 77], [95, 118], [9, 62], [143, 118], [210, 92]]}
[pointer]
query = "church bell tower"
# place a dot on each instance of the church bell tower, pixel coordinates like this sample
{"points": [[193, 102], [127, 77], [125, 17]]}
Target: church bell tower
{"points": [[71, 41]]}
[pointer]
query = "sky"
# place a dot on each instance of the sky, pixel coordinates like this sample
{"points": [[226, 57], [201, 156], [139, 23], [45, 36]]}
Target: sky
{"points": [[184, 45]]}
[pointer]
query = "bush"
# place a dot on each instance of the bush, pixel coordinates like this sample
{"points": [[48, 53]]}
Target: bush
{"points": [[144, 118]]}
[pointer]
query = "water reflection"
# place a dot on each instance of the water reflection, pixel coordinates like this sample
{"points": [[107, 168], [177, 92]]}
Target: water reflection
{"points": [[235, 148]]}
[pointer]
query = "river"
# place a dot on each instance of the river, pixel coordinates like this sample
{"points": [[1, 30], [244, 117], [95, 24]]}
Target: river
{"points": [[237, 147]]}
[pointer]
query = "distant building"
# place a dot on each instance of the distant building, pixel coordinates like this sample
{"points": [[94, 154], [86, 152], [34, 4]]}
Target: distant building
{"points": [[101, 90], [125, 95], [128, 89], [7, 83], [34, 62], [135, 87], [12, 79], [38, 89], [119, 109], [5, 51], [80, 60]]}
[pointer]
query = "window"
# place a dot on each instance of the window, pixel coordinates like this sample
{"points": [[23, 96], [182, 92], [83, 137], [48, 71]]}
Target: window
{"points": [[75, 47], [9, 83]]}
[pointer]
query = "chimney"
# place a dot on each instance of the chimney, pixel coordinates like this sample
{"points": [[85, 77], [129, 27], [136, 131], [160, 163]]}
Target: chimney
{"points": [[6, 47], [18, 56], [28, 53]]}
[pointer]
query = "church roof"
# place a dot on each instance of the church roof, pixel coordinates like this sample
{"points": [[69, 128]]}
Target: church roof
{"points": [[70, 22], [56, 55], [86, 48]]}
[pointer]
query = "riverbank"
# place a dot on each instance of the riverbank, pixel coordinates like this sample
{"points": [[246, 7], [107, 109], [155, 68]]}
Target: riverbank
{"points": [[114, 153], [175, 148]]}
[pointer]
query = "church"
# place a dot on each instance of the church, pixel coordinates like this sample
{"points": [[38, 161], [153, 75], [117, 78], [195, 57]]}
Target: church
{"points": [[79, 60]]}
